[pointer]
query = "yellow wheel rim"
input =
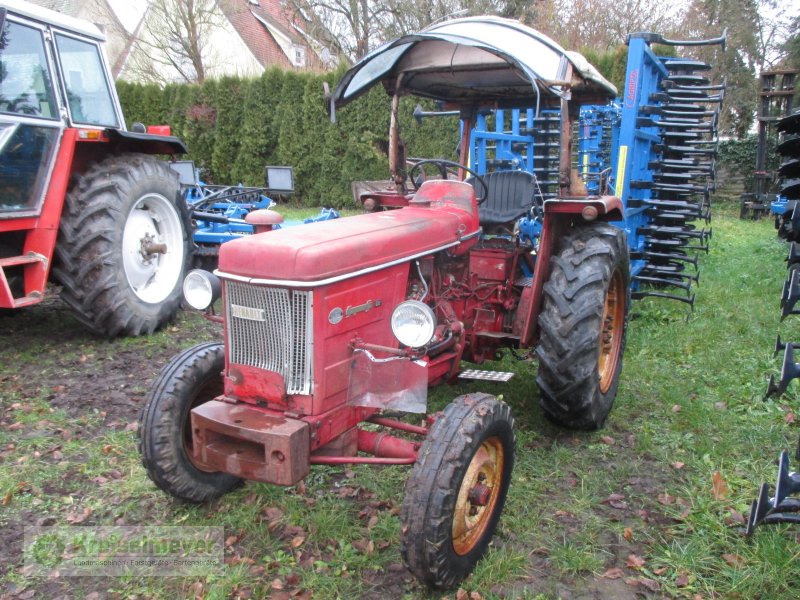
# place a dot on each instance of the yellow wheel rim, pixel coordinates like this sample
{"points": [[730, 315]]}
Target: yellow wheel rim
{"points": [[477, 496], [612, 331]]}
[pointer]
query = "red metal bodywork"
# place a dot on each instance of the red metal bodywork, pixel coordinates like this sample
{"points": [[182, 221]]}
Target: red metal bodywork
{"points": [[40, 232], [363, 267], [78, 149]]}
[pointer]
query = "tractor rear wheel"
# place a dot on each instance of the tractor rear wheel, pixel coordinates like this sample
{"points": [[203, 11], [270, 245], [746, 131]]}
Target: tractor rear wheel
{"points": [[457, 489], [190, 379], [124, 246], [582, 326]]}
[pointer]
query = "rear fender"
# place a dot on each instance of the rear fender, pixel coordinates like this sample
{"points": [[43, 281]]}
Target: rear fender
{"points": [[560, 216], [146, 143]]}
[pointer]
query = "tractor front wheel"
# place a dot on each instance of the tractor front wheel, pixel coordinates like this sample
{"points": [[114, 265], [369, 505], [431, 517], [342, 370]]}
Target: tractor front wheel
{"points": [[457, 489], [165, 434], [124, 246], [582, 326]]}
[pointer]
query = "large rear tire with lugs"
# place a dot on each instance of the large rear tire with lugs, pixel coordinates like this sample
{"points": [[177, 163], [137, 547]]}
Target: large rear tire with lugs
{"points": [[457, 489], [124, 246], [582, 326], [190, 379]]}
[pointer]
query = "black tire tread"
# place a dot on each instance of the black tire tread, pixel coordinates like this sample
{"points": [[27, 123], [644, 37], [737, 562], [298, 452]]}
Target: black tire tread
{"points": [[432, 488], [88, 249], [160, 441], [570, 325]]}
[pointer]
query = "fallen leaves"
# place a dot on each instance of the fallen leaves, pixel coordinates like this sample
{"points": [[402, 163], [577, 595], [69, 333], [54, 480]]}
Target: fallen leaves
{"points": [[665, 499], [634, 562], [719, 486], [650, 584], [274, 517], [734, 560], [734, 518], [79, 517], [616, 501], [462, 594], [364, 546], [19, 487], [612, 573]]}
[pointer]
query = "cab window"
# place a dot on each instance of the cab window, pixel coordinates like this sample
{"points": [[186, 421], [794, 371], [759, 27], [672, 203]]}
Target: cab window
{"points": [[25, 84], [88, 93]]}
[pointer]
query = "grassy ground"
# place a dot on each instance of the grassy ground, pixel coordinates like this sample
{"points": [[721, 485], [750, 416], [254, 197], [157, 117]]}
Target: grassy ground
{"points": [[650, 506]]}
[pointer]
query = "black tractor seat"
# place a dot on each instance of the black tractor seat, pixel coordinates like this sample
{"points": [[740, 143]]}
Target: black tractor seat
{"points": [[511, 194]]}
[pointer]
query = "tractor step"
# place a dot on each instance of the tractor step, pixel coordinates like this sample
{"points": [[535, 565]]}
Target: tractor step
{"points": [[31, 258], [501, 376], [34, 266]]}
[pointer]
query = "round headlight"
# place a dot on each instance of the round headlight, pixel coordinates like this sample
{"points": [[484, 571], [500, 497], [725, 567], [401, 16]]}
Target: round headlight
{"points": [[413, 323], [201, 289]]}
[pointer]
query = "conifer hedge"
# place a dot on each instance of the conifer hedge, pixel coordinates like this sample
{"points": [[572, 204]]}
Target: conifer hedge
{"points": [[234, 127]]}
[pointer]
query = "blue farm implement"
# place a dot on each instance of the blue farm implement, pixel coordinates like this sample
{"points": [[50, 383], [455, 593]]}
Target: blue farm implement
{"points": [[781, 508], [219, 212], [654, 148]]}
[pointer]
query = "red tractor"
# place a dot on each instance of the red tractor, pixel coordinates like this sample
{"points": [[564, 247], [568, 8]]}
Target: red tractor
{"points": [[81, 198], [349, 322]]}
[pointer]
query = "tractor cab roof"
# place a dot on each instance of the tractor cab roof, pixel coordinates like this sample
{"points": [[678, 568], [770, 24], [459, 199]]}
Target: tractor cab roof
{"points": [[50, 17], [476, 60]]}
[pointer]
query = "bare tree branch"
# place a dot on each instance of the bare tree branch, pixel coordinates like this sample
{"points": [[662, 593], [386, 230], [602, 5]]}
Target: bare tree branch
{"points": [[174, 36]]}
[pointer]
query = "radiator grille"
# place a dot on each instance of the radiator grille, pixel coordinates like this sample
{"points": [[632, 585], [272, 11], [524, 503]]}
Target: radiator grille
{"points": [[270, 328]]}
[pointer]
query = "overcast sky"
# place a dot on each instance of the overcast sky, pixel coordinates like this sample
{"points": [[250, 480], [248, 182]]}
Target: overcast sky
{"points": [[129, 12]]}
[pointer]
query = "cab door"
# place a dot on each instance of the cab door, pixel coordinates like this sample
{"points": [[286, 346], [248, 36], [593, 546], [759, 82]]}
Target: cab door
{"points": [[30, 118]]}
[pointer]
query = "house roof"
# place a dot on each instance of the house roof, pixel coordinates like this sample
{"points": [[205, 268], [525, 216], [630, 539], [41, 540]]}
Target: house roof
{"points": [[267, 28]]}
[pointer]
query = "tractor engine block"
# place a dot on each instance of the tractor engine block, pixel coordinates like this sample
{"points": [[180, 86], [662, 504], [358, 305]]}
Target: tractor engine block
{"points": [[479, 289]]}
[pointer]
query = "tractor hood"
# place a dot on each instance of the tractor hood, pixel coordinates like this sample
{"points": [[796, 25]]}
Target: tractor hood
{"points": [[341, 248], [476, 59]]}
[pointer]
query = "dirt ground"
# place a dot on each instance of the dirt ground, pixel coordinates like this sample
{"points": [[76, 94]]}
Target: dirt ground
{"points": [[46, 351], [82, 374]]}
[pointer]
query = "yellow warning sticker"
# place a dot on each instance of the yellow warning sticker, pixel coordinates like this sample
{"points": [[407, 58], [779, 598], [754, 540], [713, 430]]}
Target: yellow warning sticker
{"points": [[619, 184]]}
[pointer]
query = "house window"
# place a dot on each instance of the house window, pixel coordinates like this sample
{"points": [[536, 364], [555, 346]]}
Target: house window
{"points": [[299, 56]]}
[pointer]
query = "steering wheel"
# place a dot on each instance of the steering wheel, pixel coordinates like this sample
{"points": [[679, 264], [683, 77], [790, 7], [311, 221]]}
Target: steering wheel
{"points": [[444, 166]]}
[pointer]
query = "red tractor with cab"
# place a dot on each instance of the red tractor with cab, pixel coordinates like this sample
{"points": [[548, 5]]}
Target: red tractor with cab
{"points": [[332, 330], [82, 199]]}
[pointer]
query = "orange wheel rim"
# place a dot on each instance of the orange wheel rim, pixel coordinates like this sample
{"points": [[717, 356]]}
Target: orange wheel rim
{"points": [[612, 331], [477, 496]]}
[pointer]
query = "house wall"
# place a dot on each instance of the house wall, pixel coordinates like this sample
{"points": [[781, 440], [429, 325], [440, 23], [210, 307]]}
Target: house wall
{"points": [[229, 55]]}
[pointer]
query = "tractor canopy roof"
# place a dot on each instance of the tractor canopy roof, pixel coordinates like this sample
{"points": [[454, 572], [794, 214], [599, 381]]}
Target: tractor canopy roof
{"points": [[475, 60], [50, 17]]}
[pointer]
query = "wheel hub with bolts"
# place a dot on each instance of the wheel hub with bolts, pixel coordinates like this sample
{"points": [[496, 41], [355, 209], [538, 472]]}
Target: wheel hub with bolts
{"points": [[477, 495], [149, 248], [151, 230]]}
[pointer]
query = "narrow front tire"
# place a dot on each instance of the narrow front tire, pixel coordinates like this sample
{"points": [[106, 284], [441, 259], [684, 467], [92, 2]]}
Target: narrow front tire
{"points": [[457, 490]]}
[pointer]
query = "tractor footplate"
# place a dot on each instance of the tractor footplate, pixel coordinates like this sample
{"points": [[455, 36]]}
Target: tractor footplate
{"points": [[249, 443], [501, 376]]}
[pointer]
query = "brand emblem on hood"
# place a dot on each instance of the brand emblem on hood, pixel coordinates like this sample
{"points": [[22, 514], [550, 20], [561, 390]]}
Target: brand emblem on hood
{"points": [[249, 313]]}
